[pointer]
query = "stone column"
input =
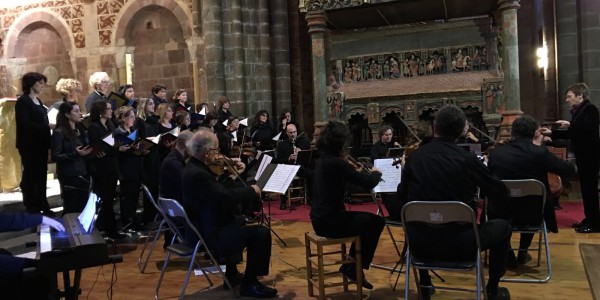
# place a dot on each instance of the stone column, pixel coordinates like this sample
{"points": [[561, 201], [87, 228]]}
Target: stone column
{"points": [[510, 65], [318, 31], [281, 58], [567, 51], [213, 39]]}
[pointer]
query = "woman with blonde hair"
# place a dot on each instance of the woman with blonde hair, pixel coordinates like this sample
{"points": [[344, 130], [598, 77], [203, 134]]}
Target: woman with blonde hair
{"points": [[165, 124], [69, 88]]}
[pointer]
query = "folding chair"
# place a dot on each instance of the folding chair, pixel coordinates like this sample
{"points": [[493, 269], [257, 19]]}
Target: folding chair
{"points": [[176, 216], [437, 215], [389, 222], [531, 187], [156, 228]]}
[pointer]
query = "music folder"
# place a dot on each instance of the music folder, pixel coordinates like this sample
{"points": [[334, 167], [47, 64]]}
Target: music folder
{"points": [[304, 157], [276, 178], [390, 175], [167, 137], [395, 152], [119, 100]]}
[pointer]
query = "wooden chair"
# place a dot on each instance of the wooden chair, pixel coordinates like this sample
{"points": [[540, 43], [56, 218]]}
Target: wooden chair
{"points": [[318, 259]]}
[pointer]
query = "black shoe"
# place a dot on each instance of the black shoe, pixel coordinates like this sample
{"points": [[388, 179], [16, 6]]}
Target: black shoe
{"points": [[587, 229], [523, 258], [257, 290], [234, 280], [579, 224], [502, 294], [283, 206], [349, 270]]}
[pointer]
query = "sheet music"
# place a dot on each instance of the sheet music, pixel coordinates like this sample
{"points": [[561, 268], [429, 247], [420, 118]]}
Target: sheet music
{"points": [[390, 175], [263, 165], [52, 114], [109, 139], [281, 178]]}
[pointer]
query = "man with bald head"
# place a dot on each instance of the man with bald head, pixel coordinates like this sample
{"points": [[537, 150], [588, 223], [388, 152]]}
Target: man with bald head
{"points": [[287, 151], [212, 207]]}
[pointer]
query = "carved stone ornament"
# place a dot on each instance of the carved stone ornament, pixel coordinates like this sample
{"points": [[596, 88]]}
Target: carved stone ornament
{"points": [[313, 5]]}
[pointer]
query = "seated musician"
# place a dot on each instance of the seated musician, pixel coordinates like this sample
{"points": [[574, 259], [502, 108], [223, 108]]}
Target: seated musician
{"points": [[521, 159], [14, 285], [327, 213], [170, 174], [287, 151], [442, 171], [228, 136], [211, 207], [382, 147]]}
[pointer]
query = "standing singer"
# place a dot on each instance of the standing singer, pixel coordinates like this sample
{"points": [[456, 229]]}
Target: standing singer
{"points": [[328, 215]]}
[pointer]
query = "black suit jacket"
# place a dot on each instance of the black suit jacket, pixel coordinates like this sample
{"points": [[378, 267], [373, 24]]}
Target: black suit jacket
{"points": [[170, 174], [583, 132], [285, 149], [521, 159], [209, 205], [33, 132], [107, 164]]}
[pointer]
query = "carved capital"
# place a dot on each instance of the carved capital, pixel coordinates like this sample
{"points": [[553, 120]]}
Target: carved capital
{"points": [[508, 4], [316, 20]]}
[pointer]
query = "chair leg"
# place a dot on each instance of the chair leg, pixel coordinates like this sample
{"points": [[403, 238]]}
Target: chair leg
{"points": [[548, 260], [189, 271], [407, 276], [321, 271], [162, 273], [157, 233], [309, 273]]}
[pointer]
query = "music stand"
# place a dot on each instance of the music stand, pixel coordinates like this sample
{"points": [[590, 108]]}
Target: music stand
{"points": [[304, 157]]}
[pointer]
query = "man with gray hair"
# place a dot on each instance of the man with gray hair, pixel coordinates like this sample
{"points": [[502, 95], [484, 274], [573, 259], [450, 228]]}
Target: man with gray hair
{"points": [[211, 207], [99, 82]]}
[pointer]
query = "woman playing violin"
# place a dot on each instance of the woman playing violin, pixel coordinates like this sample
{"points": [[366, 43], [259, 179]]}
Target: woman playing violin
{"points": [[328, 214]]}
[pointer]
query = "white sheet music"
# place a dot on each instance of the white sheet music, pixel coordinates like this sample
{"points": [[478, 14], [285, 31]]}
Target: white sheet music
{"points": [[52, 114], [109, 139], [263, 164], [281, 178], [390, 175]]}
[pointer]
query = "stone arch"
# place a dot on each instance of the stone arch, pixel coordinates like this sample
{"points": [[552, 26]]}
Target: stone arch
{"points": [[31, 17], [356, 110], [395, 109], [133, 7]]}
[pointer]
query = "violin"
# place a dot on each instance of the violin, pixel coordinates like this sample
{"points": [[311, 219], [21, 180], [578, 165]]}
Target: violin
{"points": [[224, 165], [358, 165]]}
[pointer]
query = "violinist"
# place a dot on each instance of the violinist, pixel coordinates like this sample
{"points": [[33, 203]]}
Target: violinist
{"points": [[522, 159], [212, 207], [328, 215], [287, 151], [382, 147]]}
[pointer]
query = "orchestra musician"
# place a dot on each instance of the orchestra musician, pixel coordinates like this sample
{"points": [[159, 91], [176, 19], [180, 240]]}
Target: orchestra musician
{"points": [[382, 147], [328, 215], [521, 159], [211, 207], [14, 285], [442, 171], [287, 151]]}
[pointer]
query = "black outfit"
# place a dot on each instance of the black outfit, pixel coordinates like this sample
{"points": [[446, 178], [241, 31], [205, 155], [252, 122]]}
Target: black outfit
{"points": [[284, 149], [178, 107], [105, 173], [150, 165], [380, 150], [521, 159], [210, 207], [585, 144], [12, 283], [163, 150], [223, 115], [442, 171], [225, 143], [71, 169], [170, 176], [33, 143], [130, 179], [157, 100], [327, 213], [261, 136]]}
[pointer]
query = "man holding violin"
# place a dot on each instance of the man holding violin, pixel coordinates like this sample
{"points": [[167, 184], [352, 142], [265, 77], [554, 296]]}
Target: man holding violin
{"points": [[212, 207], [382, 147]]}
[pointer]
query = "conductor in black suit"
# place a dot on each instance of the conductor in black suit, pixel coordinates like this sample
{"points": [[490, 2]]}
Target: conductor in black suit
{"points": [[211, 206]]}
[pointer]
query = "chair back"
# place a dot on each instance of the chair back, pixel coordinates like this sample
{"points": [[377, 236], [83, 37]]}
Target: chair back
{"points": [[437, 214], [526, 187], [177, 218], [146, 191]]}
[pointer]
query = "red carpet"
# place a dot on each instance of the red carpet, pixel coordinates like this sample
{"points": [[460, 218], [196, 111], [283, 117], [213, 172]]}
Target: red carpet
{"points": [[572, 212]]}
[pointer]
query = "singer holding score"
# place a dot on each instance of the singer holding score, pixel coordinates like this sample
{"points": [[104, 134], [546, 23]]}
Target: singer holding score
{"points": [[328, 215]]}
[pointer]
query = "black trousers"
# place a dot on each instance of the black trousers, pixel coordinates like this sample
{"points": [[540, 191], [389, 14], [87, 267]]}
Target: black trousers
{"points": [[105, 185], [130, 192], [33, 181], [350, 223], [74, 193], [232, 240], [587, 169], [458, 243]]}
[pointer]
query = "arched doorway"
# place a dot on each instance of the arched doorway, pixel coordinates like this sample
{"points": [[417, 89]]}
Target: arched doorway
{"points": [[361, 135]]}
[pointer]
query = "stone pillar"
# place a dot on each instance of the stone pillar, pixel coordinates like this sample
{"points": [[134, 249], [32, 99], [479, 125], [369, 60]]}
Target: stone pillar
{"points": [[235, 75], [281, 58], [567, 51], [213, 40], [318, 31], [590, 47], [510, 65]]}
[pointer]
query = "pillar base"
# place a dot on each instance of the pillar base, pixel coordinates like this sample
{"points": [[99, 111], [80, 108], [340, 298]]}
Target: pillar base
{"points": [[508, 117]]}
